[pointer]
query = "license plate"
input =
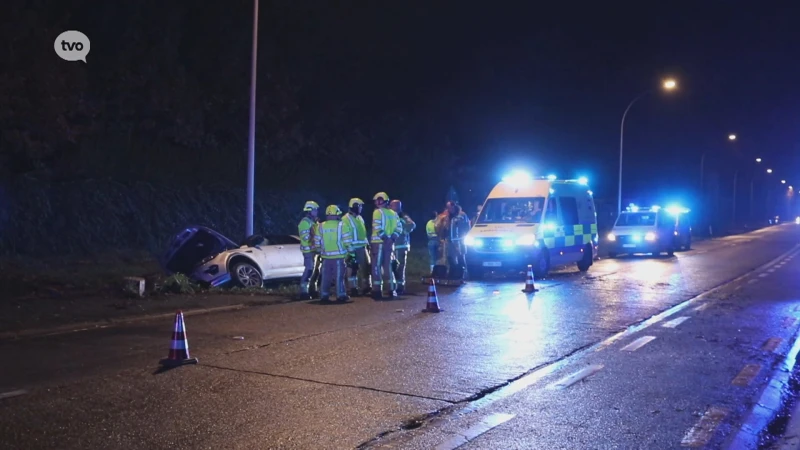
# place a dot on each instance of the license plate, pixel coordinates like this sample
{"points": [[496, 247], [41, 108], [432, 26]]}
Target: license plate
{"points": [[492, 264], [629, 245]]}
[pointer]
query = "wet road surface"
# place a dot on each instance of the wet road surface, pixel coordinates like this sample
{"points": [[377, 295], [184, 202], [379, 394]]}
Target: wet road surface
{"points": [[562, 368]]}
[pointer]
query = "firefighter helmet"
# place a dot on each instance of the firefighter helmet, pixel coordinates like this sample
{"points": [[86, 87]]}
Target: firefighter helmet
{"points": [[355, 201], [381, 196], [310, 206], [333, 210]]}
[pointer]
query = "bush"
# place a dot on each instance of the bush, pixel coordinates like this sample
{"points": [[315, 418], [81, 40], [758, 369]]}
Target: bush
{"points": [[92, 216]]}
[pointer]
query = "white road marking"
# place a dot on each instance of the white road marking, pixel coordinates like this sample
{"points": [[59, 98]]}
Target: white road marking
{"points": [[754, 280], [771, 270], [762, 275], [637, 344], [702, 307], [471, 433], [746, 376], [703, 430], [10, 394], [575, 377], [675, 322]]}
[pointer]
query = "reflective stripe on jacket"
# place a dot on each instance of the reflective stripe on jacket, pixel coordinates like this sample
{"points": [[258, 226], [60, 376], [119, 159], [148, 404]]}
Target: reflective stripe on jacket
{"points": [[358, 229], [334, 239], [407, 226], [384, 224], [305, 229]]}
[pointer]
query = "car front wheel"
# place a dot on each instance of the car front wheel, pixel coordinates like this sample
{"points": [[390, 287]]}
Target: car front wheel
{"points": [[246, 275]]}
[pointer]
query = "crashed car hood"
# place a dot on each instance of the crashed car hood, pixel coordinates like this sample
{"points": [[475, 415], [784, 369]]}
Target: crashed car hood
{"points": [[190, 246]]}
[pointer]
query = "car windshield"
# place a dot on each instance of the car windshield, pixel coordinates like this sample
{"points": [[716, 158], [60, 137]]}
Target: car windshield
{"points": [[638, 219], [512, 210]]}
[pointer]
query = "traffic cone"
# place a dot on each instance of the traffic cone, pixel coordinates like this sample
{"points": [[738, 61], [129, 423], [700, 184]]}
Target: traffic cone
{"points": [[433, 300], [179, 350], [529, 286]]}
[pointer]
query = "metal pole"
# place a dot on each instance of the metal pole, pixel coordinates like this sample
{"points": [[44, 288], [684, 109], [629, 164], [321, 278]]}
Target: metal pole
{"points": [[735, 177], [621, 133], [251, 142], [751, 198]]}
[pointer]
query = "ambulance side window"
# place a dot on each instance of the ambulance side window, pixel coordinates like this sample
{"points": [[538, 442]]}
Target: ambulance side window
{"points": [[551, 216], [569, 211]]}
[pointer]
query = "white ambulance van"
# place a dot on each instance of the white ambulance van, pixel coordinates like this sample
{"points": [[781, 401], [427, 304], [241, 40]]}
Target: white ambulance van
{"points": [[544, 222]]}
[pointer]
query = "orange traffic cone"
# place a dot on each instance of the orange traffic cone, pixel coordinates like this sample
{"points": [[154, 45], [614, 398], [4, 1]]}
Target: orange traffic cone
{"points": [[529, 286], [433, 301], [179, 350]]}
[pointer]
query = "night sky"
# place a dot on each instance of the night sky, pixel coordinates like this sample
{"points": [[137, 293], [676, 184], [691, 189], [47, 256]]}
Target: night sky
{"points": [[512, 83], [524, 82]]}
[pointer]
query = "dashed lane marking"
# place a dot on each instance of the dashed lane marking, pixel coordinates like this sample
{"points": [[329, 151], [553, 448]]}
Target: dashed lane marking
{"points": [[703, 430], [772, 344], [702, 307], [637, 344], [746, 375], [10, 394], [762, 275], [489, 422], [675, 322], [771, 270], [569, 380], [754, 280]]}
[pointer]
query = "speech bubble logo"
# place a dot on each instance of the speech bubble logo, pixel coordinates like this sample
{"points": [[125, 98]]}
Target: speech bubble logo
{"points": [[72, 46]]}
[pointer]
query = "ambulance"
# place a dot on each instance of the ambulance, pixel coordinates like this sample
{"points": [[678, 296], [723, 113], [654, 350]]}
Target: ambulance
{"points": [[652, 230], [543, 222]]}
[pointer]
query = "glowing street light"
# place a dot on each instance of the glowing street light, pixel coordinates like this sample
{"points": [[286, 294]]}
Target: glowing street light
{"points": [[783, 181], [732, 137], [769, 170], [758, 160], [668, 85]]}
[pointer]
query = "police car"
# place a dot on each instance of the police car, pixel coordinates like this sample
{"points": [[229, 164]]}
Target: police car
{"points": [[652, 230], [543, 222]]}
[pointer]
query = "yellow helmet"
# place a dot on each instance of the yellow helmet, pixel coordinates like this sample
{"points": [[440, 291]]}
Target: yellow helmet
{"points": [[333, 210], [355, 201], [310, 206], [381, 195]]}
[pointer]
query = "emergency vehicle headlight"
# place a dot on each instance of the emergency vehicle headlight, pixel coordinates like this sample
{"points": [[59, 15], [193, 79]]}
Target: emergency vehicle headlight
{"points": [[650, 236], [612, 237], [528, 239], [469, 240], [583, 180], [797, 220]]}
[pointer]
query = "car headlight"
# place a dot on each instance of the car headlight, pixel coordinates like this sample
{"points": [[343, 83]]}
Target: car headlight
{"points": [[797, 220], [612, 237], [528, 239], [469, 240], [507, 243], [650, 236]]}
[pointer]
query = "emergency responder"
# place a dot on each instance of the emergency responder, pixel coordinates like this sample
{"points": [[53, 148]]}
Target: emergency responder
{"points": [[359, 256], [306, 230], [453, 225], [403, 244], [433, 240], [334, 241], [384, 232]]}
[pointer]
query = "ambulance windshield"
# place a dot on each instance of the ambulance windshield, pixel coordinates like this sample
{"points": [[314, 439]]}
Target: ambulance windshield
{"points": [[512, 210], [636, 219]]}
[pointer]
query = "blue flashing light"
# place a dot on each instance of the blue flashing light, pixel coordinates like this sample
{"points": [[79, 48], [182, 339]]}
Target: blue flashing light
{"points": [[675, 210], [632, 208], [655, 208], [583, 180], [551, 177]]}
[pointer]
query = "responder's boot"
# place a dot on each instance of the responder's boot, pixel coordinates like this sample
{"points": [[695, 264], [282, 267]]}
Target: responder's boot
{"points": [[377, 295], [313, 294], [304, 296], [393, 295], [401, 289], [366, 291], [325, 299], [343, 299], [354, 292]]}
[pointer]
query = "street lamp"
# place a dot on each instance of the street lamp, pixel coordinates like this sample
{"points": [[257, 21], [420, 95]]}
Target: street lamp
{"points": [[732, 137], [769, 170], [251, 141], [758, 160], [667, 85], [783, 181]]}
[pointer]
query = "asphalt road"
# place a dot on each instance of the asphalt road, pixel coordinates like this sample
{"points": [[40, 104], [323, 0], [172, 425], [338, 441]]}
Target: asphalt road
{"points": [[496, 369]]}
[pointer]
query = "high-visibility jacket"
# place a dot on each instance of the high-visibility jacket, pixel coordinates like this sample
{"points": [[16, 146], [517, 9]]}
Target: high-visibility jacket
{"points": [[358, 229], [334, 239], [430, 229], [306, 229], [406, 227], [384, 224]]}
